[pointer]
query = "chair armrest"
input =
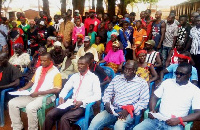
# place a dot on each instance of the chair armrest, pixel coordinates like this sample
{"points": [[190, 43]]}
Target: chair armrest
{"points": [[88, 113], [44, 100], [68, 96], [102, 64], [189, 126]]}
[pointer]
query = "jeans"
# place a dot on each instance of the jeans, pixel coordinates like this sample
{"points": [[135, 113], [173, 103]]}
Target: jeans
{"points": [[105, 119], [155, 124], [165, 53]]}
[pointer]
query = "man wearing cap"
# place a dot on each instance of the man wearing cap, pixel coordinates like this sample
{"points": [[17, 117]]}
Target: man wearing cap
{"points": [[91, 20], [46, 80], [87, 48], [170, 37], [57, 54], [177, 96], [153, 57], [66, 28]]}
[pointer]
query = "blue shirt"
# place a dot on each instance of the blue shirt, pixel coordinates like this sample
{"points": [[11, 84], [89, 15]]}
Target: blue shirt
{"points": [[135, 92], [172, 68], [129, 36]]}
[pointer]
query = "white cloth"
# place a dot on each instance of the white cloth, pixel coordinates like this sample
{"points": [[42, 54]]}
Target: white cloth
{"points": [[89, 90], [195, 35], [176, 100]]}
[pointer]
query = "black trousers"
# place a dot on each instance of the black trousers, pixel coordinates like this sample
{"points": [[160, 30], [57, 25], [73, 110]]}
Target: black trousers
{"points": [[64, 115]]}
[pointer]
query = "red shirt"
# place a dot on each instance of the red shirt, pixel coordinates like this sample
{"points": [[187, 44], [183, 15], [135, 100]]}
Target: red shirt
{"points": [[147, 27], [94, 21], [108, 47]]}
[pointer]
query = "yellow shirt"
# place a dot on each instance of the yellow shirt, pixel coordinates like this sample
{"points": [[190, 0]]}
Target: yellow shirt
{"points": [[100, 48]]}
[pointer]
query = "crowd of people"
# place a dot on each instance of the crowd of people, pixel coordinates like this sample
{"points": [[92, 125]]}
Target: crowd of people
{"points": [[55, 56]]}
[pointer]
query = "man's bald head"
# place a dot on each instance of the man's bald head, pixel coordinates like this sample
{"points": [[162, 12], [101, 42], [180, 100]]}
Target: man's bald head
{"points": [[158, 14], [132, 63], [193, 16], [130, 69]]}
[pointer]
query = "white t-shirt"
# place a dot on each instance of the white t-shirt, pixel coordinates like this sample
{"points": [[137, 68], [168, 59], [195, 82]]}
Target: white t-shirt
{"points": [[176, 100]]}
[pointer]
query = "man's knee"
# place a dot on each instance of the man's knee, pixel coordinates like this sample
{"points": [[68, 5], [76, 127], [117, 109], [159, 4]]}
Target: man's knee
{"points": [[12, 103], [63, 120]]}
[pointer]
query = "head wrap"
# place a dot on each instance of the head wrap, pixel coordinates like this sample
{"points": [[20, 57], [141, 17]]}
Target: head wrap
{"points": [[115, 34], [116, 43], [57, 43], [60, 35], [80, 35], [92, 11], [141, 51], [86, 39], [53, 39], [42, 23], [41, 35], [32, 22]]}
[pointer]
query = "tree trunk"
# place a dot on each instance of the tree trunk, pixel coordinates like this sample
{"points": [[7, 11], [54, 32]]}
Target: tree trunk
{"points": [[0, 7], [46, 6], [123, 5], [78, 4], [63, 7], [93, 4], [111, 7], [100, 8]]}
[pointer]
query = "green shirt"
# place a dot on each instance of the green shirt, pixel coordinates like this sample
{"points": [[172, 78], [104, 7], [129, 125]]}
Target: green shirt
{"points": [[25, 29], [92, 37]]}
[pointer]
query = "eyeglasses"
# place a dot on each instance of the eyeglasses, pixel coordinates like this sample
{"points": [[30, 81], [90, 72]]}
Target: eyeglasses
{"points": [[179, 73]]}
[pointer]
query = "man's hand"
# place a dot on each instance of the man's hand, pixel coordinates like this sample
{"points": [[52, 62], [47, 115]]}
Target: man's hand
{"points": [[77, 104], [61, 101], [35, 94], [150, 115], [173, 121], [123, 114], [107, 107], [159, 46], [21, 89]]}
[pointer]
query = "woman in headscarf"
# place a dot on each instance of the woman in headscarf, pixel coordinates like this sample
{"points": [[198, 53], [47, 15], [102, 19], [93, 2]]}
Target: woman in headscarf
{"points": [[115, 58], [50, 42], [145, 69], [79, 42], [19, 59], [16, 36]]}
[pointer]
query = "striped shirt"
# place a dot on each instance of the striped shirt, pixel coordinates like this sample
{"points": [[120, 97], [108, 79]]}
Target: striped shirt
{"points": [[123, 92], [151, 58]]}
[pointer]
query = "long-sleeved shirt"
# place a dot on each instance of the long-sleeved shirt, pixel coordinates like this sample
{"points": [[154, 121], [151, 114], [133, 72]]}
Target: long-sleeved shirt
{"points": [[78, 30], [88, 92], [123, 92]]}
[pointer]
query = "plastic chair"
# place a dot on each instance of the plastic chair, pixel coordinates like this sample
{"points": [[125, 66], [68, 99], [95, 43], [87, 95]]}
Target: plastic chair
{"points": [[187, 127], [168, 76], [83, 122], [3, 94], [41, 111], [109, 71]]}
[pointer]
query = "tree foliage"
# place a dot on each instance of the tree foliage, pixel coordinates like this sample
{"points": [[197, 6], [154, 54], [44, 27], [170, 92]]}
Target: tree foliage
{"points": [[139, 1]]}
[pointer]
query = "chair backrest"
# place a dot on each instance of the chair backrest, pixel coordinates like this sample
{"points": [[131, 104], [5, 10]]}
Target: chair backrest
{"points": [[109, 71], [167, 76]]}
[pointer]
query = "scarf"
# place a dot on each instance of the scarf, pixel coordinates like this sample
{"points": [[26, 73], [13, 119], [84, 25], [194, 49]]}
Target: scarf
{"points": [[42, 77], [38, 62], [1, 75]]}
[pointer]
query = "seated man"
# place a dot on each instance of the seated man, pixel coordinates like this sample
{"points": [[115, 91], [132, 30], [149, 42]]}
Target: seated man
{"points": [[46, 80], [87, 48], [97, 70], [86, 89], [124, 92], [177, 97], [9, 74], [183, 57]]}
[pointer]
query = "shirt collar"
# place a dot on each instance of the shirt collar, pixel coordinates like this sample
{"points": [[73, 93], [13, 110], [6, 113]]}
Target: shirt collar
{"points": [[133, 80]]}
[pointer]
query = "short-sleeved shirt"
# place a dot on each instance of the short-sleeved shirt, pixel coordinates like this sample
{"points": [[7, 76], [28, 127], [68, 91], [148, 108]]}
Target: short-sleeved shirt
{"points": [[139, 35], [100, 48], [50, 31], [89, 21], [81, 52], [177, 99], [183, 32], [25, 29], [115, 57], [172, 68], [195, 35], [10, 74], [171, 32], [52, 79], [92, 37]]}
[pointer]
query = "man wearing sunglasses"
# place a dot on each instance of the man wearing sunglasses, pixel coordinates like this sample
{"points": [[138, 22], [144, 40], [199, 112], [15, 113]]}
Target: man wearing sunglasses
{"points": [[177, 97], [183, 57]]}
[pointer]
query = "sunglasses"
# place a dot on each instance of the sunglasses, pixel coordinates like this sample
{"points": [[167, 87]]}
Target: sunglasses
{"points": [[179, 73]]}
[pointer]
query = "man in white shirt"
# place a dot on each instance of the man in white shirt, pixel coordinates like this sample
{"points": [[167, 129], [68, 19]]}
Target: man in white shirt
{"points": [[177, 97], [86, 89], [46, 80]]}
